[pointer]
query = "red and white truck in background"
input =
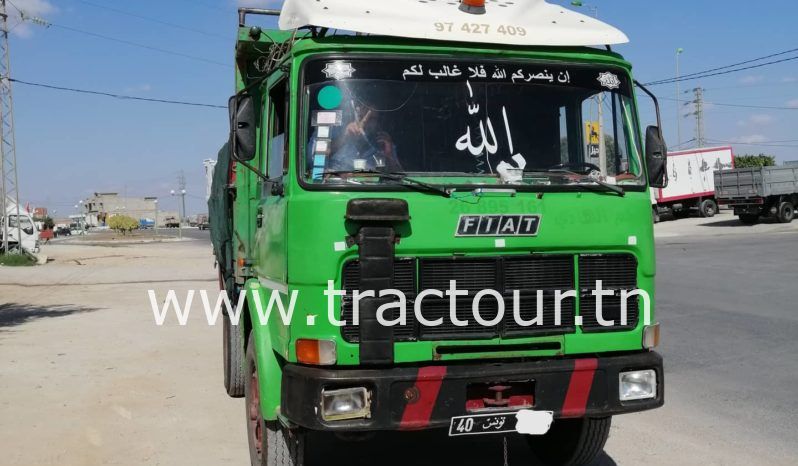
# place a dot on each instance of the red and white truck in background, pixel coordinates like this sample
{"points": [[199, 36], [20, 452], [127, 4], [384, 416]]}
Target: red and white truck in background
{"points": [[691, 182]]}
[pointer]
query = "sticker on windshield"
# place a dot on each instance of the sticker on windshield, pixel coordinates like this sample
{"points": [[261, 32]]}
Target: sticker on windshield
{"points": [[322, 146], [495, 73], [324, 118], [609, 80], [339, 70]]}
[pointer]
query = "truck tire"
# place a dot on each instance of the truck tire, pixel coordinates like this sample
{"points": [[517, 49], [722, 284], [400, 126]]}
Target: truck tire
{"points": [[233, 358], [749, 219], [655, 214], [270, 444], [572, 441], [708, 208], [786, 212]]}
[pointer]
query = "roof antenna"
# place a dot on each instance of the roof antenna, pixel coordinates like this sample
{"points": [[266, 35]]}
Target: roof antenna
{"points": [[475, 7]]}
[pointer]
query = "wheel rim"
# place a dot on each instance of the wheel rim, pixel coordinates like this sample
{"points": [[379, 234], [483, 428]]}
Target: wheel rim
{"points": [[787, 212], [253, 410]]}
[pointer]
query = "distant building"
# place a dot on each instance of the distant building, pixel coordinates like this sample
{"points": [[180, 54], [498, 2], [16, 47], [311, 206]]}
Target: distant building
{"points": [[40, 212], [99, 208], [791, 163], [210, 168]]}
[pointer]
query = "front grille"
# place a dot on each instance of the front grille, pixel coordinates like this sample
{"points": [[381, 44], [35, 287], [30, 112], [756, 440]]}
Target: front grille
{"points": [[470, 274], [526, 274], [503, 274], [404, 275], [617, 272]]}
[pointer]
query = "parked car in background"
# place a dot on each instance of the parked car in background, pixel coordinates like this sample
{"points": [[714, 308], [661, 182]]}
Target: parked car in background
{"points": [[691, 182], [754, 193], [171, 222], [202, 222], [21, 229]]}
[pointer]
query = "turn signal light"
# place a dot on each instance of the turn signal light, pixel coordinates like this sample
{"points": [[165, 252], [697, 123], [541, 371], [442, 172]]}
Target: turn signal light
{"points": [[651, 336], [316, 352]]}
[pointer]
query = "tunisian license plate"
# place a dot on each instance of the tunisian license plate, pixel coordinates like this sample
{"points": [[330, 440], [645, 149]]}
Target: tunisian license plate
{"points": [[483, 424]]}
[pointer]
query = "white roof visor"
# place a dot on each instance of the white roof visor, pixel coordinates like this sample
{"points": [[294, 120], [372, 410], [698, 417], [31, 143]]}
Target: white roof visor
{"points": [[514, 22]]}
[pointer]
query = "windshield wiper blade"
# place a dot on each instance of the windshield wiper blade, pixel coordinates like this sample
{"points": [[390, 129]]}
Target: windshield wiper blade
{"points": [[610, 187], [400, 177], [586, 179]]}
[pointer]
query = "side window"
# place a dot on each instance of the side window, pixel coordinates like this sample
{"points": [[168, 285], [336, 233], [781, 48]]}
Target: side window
{"points": [[278, 129]]}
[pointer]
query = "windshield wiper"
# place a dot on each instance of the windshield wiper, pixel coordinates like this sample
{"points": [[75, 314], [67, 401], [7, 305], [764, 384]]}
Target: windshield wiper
{"points": [[587, 179], [402, 178]]}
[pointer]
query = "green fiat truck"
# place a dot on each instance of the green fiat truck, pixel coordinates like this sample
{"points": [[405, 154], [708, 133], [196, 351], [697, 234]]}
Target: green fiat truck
{"points": [[436, 215]]}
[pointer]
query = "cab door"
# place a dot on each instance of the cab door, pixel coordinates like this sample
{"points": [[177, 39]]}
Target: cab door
{"points": [[271, 216]]}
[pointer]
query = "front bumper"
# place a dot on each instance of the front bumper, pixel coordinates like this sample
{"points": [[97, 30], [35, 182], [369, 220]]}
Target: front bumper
{"points": [[571, 388]]}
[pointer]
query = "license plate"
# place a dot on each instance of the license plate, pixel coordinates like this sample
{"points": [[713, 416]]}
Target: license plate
{"points": [[483, 424]]}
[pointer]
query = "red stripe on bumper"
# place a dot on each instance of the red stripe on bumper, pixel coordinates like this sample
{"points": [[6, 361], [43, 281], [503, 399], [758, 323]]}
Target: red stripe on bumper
{"points": [[417, 413], [579, 388]]}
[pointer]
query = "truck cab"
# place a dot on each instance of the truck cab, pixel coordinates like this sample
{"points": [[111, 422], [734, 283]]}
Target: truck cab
{"points": [[18, 223], [421, 193]]}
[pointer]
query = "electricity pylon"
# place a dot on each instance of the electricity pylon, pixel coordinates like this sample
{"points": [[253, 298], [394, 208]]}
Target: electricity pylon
{"points": [[9, 183]]}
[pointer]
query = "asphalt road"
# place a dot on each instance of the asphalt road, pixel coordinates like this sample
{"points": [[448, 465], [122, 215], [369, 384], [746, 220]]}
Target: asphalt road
{"points": [[729, 310], [87, 378]]}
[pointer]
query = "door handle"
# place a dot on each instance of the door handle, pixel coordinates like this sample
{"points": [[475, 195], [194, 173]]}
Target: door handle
{"points": [[259, 217]]}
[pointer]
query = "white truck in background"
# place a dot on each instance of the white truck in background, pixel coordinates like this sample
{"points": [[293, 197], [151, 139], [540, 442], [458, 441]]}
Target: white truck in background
{"points": [[19, 221], [691, 182]]}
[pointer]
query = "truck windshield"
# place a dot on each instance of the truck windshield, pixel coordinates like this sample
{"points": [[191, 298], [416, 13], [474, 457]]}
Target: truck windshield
{"points": [[469, 123], [24, 223]]}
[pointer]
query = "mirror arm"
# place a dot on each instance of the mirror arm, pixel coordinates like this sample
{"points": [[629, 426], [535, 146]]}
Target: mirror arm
{"points": [[656, 105], [254, 170]]}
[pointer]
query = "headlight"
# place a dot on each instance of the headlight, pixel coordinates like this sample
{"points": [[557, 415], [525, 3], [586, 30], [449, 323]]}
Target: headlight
{"points": [[347, 403], [637, 385]]}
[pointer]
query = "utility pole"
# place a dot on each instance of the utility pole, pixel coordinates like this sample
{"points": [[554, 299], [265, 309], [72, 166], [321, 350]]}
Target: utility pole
{"points": [[155, 224], [181, 211], [181, 181], [679, 53], [700, 136], [9, 181]]}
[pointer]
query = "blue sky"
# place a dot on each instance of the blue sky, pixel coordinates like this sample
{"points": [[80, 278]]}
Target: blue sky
{"points": [[71, 145]]}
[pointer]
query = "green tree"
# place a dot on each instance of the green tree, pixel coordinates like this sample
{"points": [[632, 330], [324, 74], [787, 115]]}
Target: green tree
{"points": [[754, 161], [48, 222], [123, 224]]}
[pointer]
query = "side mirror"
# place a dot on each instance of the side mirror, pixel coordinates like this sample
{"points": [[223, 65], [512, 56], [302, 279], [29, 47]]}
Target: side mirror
{"points": [[243, 127], [656, 158]]}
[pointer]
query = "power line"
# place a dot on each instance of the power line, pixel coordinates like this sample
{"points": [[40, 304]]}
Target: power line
{"points": [[762, 144], [48, 24], [136, 44], [153, 20], [721, 73], [115, 96], [722, 104], [696, 75]]}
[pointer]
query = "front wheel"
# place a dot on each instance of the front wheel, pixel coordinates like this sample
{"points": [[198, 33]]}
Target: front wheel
{"points": [[233, 358], [572, 441], [270, 444], [786, 212], [708, 208]]}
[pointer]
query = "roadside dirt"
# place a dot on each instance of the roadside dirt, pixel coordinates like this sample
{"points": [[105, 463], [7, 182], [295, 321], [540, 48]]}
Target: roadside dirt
{"points": [[87, 378]]}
